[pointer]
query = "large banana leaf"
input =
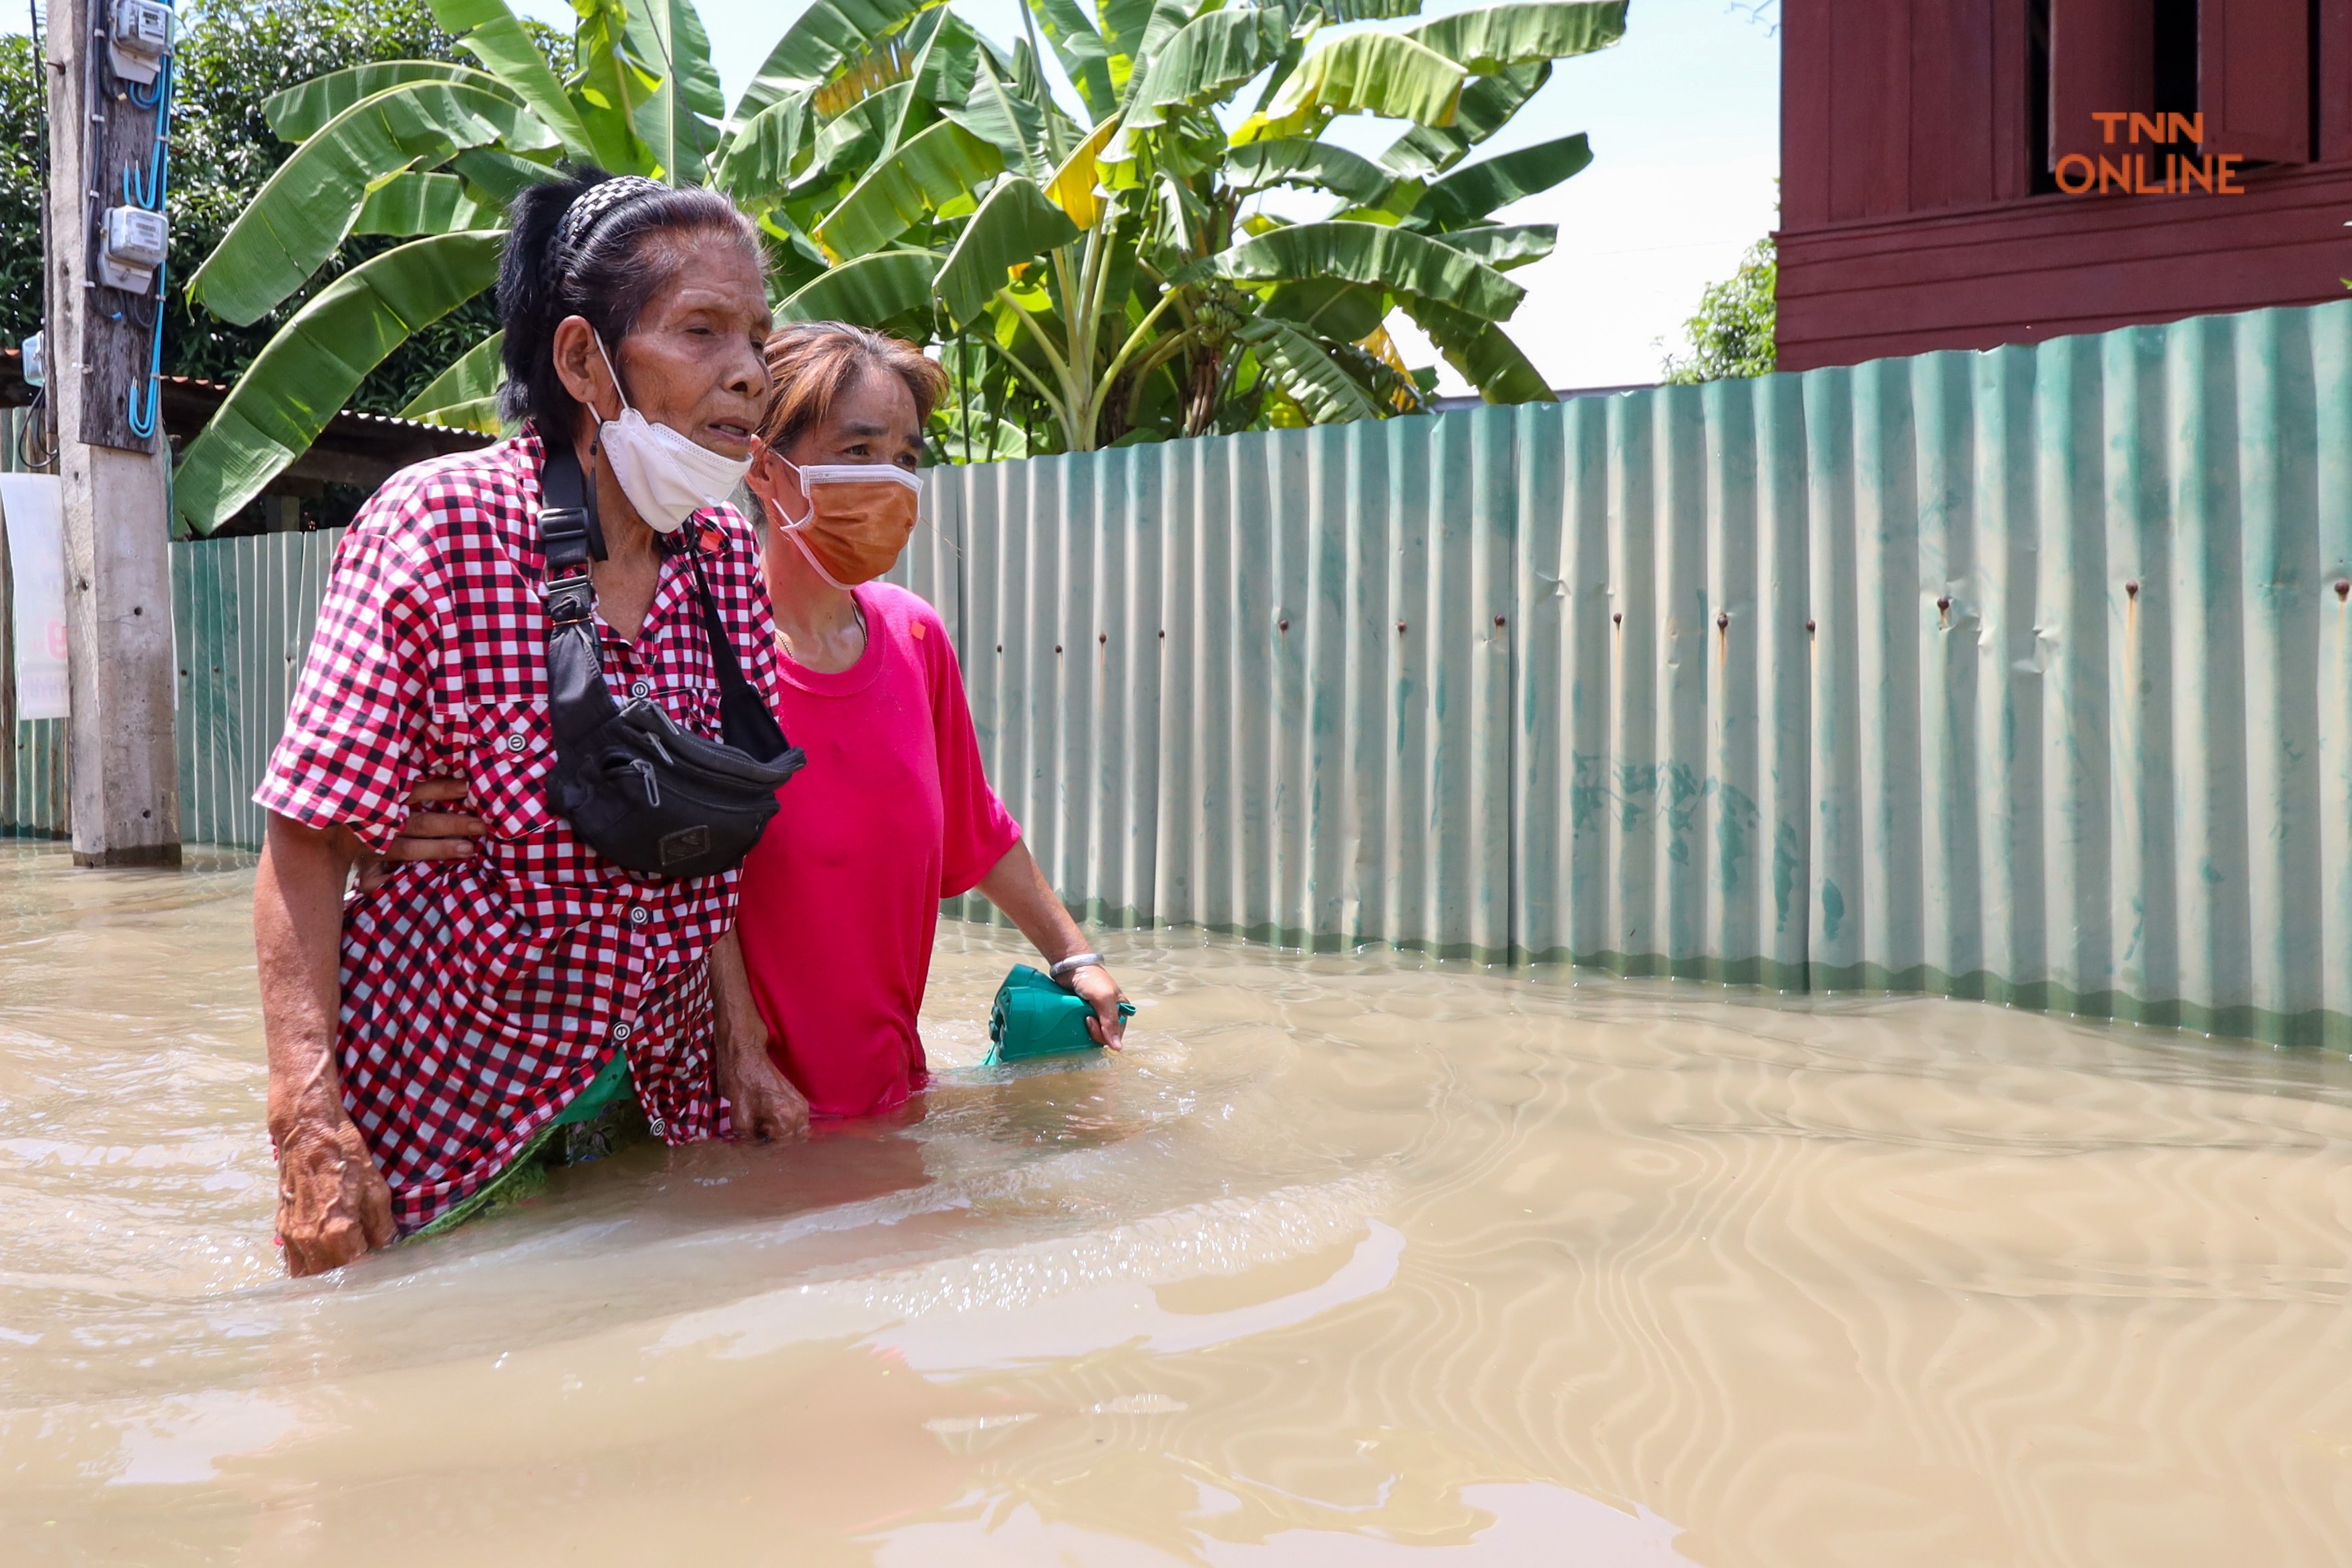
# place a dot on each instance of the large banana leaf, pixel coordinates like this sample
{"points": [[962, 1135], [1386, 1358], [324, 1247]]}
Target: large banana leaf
{"points": [[999, 114], [867, 131], [301, 216], [309, 370], [873, 291], [1475, 190], [1298, 364], [1385, 73], [1487, 105], [932, 169], [1085, 58], [498, 177], [1357, 10], [1136, 51], [759, 160], [1206, 59], [466, 394], [1503, 246], [489, 32], [826, 36], [422, 205], [1395, 259], [295, 114], [1486, 41], [1016, 224], [1331, 307], [1124, 22], [1317, 165], [678, 121], [1486, 357]]}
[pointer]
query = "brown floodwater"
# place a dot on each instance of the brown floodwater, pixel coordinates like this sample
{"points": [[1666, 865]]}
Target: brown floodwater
{"points": [[1348, 1260]]}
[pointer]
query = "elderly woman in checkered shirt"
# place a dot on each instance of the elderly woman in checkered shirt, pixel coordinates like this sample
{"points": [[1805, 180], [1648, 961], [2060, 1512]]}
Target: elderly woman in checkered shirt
{"points": [[440, 1032]]}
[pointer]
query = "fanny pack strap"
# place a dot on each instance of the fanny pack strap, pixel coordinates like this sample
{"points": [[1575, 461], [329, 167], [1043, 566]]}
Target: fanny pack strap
{"points": [[569, 538]]}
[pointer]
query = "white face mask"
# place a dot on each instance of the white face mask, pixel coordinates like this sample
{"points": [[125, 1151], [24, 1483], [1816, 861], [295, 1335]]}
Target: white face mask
{"points": [[665, 475]]}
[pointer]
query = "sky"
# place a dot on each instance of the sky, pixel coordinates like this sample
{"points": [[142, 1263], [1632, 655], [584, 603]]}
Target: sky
{"points": [[1684, 117]]}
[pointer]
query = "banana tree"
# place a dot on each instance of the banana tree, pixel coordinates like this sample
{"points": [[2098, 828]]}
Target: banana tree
{"points": [[1108, 264]]}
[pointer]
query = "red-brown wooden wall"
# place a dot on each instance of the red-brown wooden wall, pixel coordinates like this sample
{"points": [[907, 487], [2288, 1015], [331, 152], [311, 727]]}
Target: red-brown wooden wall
{"points": [[1910, 217]]}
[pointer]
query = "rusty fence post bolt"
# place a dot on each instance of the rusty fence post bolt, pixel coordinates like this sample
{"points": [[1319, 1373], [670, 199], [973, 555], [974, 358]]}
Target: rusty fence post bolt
{"points": [[1809, 624], [1057, 647], [1944, 601], [1498, 620], [2344, 588], [2131, 588], [1102, 637], [1723, 620], [1617, 618], [1283, 624], [1400, 628]]}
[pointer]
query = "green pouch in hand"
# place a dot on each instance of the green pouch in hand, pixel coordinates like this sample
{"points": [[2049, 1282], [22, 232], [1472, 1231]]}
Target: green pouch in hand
{"points": [[1035, 1014]]}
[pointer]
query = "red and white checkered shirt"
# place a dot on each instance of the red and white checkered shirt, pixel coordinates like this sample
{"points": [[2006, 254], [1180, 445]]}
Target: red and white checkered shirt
{"points": [[480, 995]]}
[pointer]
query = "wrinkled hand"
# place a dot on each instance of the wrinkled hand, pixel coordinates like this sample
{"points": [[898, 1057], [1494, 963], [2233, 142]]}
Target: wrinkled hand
{"points": [[1102, 993], [427, 835], [332, 1203], [761, 1101]]}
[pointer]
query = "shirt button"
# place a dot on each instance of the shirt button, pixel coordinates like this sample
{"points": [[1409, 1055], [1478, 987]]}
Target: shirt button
{"points": [[637, 915], [641, 688], [620, 1034], [517, 741]]}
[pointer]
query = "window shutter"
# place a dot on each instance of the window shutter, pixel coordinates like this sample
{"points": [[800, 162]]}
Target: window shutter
{"points": [[2102, 60], [2253, 78]]}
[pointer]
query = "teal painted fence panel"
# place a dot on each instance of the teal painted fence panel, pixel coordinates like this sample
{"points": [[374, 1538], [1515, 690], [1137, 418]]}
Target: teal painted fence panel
{"points": [[244, 609], [2021, 676], [43, 804]]}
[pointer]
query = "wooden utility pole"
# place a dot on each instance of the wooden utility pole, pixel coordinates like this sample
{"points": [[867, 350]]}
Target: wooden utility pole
{"points": [[104, 165]]}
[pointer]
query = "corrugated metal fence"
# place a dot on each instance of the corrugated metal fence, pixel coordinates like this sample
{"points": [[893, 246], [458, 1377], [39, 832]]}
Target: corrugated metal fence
{"points": [[2024, 675], [35, 803]]}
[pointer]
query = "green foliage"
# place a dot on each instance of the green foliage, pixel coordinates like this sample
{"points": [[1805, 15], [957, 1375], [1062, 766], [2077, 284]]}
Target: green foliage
{"points": [[23, 138], [1093, 272], [1732, 335]]}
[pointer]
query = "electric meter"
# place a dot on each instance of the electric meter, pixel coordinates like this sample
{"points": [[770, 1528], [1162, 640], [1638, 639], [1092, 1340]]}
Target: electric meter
{"points": [[139, 39], [133, 247]]}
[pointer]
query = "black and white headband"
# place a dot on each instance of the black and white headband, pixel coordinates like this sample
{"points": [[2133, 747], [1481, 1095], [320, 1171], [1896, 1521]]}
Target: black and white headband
{"points": [[581, 218]]}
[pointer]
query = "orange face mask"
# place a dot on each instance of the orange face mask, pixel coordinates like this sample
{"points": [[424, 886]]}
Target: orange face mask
{"points": [[860, 516]]}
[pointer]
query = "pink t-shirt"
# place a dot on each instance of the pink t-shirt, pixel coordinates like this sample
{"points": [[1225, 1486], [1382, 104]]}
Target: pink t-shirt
{"points": [[841, 898]]}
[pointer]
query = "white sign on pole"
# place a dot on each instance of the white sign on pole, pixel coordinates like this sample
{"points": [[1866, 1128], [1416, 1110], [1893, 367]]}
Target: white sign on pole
{"points": [[33, 505]]}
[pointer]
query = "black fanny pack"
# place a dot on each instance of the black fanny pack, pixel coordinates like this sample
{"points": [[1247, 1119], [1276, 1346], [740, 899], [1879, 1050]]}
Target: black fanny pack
{"points": [[643, 792]]}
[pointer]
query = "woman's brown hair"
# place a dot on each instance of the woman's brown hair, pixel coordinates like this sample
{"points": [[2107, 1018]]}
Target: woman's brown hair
{"points": [[812, 364]]}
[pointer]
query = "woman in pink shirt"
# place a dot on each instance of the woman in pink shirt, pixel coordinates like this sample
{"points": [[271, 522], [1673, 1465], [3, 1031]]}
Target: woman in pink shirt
{"points": [[839, 902]]}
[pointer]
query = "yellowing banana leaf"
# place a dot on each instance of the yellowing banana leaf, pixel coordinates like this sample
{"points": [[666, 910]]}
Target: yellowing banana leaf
{"points": [[297, 220], [489, 32], [1385, 73], [1503, 246], [421, 205], [1395, 259], [1072, 187], [465, 395], [873, 291], [1206, 59], [1487, 40], [1475, 190], [1487, 105], [1298, 364], [1316, 165], [934, 167], [1482, 352], [295, 114], [1016, 224], [309, 370], [828, 36]]}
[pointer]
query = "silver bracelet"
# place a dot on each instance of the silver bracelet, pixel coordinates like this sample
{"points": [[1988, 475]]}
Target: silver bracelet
{"points": [[1076, 962]]}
